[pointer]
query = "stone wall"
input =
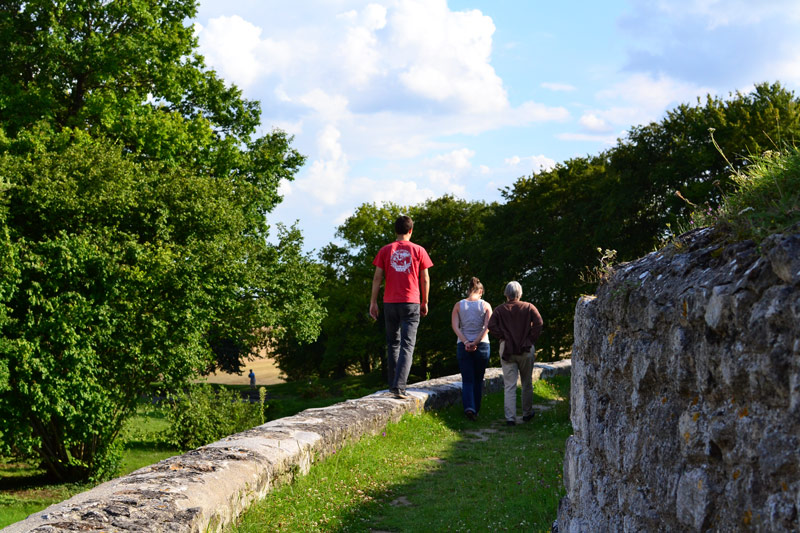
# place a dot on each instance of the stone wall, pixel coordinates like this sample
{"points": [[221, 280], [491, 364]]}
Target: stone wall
{"points": [[205, 489], [686, 392]]}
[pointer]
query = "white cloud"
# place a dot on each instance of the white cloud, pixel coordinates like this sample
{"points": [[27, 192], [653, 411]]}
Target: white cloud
{"points": [[652, 92], [360, 52], [326, 179], [290, 127], [329, 108], [786, 65], [457, 159], [414, 59], [723, 43], [444, 55], [233, 46], [534, 163], [638, 99], [721, 13], [284, 188], [592, 122], [559, 87], [446, 172], [402, 192], [588, 137]]}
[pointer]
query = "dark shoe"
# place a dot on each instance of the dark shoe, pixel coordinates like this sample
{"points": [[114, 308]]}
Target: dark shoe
{"points": [[472, 415], [528, 418], [511, 423], [401, 395]]}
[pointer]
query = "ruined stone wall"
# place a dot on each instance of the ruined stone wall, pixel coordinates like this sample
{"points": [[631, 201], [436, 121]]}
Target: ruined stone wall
{"points": [[207, 488], [686, 392]]}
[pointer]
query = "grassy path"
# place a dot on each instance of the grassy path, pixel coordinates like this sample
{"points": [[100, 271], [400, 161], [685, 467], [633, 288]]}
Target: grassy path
{"points": [[434, 472]]}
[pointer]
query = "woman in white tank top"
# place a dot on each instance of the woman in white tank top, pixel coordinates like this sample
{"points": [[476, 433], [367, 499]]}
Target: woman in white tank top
{"points": [[470, 322]]}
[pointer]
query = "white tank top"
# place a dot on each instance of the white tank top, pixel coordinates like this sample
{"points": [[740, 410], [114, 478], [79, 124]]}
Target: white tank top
{"points": [[471, 314]]}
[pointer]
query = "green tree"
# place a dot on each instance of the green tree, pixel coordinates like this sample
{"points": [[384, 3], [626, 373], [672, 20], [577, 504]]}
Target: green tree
{"points": [[130, 71], [123, 269], [8, 280], [450, 229], [547, 233], [137, 238], [678, 154], [350, 340]]}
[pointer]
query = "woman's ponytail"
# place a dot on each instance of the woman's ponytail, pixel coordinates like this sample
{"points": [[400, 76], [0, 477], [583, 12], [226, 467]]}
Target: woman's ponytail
{"points": [[475, 285]]}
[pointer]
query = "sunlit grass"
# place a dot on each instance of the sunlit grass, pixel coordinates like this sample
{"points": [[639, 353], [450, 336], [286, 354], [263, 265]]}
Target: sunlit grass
{"points": [[427, 472], [435, 471]]}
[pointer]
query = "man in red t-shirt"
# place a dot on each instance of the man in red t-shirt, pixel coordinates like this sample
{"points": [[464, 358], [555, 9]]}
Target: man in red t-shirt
{"points": [[405, 298]]}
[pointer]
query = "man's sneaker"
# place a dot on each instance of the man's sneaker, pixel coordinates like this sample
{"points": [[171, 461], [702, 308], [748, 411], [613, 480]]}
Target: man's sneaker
{"points": [[401, 394], [511, 423], [528, 418], [472, 415]]}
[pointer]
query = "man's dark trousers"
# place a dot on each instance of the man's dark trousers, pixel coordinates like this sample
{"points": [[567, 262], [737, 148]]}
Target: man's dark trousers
{"points": [[402, 320]]}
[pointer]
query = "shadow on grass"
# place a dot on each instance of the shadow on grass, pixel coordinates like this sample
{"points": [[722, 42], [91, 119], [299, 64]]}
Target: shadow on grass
{"points": [[494, 477], [434, 472]]}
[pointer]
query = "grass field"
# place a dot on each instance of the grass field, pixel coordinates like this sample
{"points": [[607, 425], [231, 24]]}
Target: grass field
{"points": [[264, 368], [434, 472], [489, 473]]}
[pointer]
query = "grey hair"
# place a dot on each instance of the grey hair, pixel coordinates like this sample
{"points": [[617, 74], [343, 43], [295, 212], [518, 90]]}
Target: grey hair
{"points": [[513, 290]]}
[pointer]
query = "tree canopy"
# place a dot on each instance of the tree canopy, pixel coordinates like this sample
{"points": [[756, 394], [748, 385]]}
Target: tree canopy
{"points": [[552, 226], [133, 212]]}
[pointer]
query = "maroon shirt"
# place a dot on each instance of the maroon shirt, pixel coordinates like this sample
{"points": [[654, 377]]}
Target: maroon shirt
{"points": [[518, 324]]}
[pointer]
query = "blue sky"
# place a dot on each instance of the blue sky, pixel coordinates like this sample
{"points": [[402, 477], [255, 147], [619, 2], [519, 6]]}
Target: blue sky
{"points": [[404, 100]]}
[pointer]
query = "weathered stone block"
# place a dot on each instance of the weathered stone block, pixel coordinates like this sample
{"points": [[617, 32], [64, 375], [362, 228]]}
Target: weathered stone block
{"points": [[694, 499], [785, 258], [689, 392]]}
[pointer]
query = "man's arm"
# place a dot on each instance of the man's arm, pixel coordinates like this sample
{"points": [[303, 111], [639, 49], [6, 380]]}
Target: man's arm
{"points": [[536, 324], [424, 288], [377, 279]]}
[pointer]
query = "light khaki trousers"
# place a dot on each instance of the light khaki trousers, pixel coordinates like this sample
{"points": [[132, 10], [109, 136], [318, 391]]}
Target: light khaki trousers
{"points": [[519, 366]]}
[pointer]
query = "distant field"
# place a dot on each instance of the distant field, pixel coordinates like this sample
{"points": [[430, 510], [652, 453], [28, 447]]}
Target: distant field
{"points": [[266, 374]]}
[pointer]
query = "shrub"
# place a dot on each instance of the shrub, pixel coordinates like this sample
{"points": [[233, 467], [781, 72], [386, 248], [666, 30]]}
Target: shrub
{"points": [[203, 414]]}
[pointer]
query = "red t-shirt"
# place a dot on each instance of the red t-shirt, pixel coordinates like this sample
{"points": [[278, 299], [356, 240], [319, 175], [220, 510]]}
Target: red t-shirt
{"points": [[402, 262]]}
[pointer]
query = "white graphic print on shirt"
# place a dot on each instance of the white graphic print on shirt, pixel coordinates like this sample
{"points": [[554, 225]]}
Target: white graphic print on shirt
{"points": [[400, 260]]}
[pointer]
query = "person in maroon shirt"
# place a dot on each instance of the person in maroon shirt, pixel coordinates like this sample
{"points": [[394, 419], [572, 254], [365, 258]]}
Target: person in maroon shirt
{"points": [[405, 298], [517, 324]]}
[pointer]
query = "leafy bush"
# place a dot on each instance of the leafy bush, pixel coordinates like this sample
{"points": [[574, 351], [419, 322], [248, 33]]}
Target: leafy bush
{"points": [[314, 389], [203, 414]]}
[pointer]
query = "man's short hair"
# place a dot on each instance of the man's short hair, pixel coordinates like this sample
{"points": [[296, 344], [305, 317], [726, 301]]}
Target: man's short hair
{"points": [[513, 290], [403, 225]]}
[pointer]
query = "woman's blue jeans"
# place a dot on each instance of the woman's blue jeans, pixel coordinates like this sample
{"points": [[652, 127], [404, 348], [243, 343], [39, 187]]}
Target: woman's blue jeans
{"points": [[473, 367]]}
